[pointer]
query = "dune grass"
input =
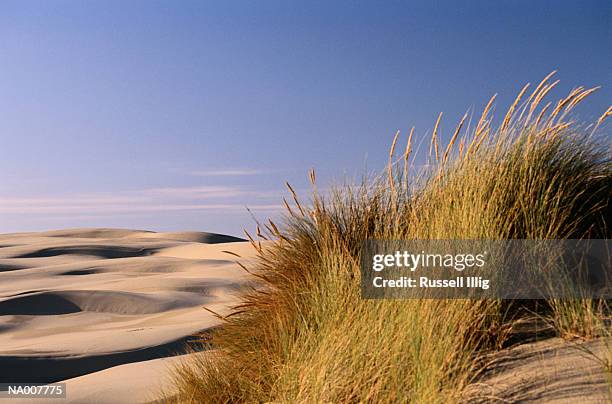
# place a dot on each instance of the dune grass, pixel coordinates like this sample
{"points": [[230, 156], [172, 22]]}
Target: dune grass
{"points": [[307, 335]]}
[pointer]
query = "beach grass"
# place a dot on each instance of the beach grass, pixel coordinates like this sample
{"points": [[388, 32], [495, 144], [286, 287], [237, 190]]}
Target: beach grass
{"points": [[306, 335]]}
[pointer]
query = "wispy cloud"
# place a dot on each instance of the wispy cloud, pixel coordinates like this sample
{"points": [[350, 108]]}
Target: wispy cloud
{"points": [[192, 192], [238, 172], [166, 199], [133, 208]]}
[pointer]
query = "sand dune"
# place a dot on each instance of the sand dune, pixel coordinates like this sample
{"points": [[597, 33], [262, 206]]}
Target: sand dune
{"points": [[110, 309], [109, 312]]}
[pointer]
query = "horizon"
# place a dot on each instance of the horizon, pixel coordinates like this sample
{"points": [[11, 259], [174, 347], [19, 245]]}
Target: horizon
{"points": [[156, 116]]}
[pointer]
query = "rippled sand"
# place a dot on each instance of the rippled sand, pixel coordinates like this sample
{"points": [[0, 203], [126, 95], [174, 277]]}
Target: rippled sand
{"points": [[110, 310]]}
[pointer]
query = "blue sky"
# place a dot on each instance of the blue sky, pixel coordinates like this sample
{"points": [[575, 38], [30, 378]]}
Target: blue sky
{"points": [[175, 115]]}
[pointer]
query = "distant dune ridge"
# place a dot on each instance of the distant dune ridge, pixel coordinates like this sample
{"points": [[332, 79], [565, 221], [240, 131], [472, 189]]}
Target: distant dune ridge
{"points": [[109, 310]]}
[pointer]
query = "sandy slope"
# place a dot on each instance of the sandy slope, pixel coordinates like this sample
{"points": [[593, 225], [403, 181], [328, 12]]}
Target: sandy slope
{"points": [[548, 371], [108, 308]]}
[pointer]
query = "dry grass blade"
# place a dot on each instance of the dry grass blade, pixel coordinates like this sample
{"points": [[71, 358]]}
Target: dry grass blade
{"points": [[289, 210], [510, 112], [453, 139], [580, 97], [255, 244], [275, 230], [563, 103], [214, 313], [542, 114], [231, 253], [312, 176], [390, 166], [434, 138], [605, 115], [483, 121], [295, 198], [406, 159], [539, 87], [545, 90]]}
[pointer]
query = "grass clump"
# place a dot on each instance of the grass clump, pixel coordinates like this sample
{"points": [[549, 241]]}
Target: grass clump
{"points": [[307, 335]]}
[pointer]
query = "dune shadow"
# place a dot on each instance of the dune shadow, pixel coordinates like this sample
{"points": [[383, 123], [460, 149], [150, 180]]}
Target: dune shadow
{"points": [[15, 369], [81, 272], [11, 267], [38, 304], [100, 301], [107, 252]]}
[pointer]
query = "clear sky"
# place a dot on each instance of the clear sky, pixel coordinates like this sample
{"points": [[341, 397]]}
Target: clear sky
{"points": [[175, 115]]}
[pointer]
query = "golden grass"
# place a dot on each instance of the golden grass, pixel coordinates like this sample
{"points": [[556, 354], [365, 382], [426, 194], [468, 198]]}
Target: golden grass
{"points": [[307, 335]]}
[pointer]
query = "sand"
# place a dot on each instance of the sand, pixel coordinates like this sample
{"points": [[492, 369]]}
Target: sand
{"points": [[110, 311], [548, 371]]}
